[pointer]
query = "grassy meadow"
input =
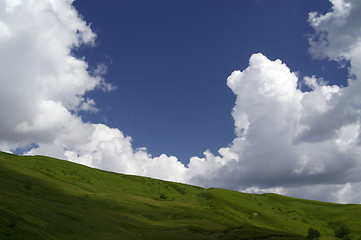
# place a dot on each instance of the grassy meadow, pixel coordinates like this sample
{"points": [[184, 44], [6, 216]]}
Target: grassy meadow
{"points": [[47, 198]]}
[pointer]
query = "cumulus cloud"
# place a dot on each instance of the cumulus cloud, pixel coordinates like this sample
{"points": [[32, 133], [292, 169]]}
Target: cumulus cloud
{"points": [[337, 32], [43, 87], [40, 79], [287, 141]]}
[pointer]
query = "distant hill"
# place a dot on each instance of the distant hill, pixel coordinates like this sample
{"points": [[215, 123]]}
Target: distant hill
{"points": [[47, 198]]}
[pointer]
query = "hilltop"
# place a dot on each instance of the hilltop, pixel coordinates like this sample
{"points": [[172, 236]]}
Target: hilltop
{"points": [[47, 198]]}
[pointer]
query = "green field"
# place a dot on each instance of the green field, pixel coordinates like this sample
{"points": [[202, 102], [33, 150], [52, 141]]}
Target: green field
{"points": [[46, 198]]}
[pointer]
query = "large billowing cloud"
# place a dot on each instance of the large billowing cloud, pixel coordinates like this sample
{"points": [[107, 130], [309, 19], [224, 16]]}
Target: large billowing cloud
{"points": [[287, 139], [303, 144]]}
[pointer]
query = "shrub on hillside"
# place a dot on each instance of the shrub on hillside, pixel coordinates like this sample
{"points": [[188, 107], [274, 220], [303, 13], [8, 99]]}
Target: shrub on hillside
{"points": [[342, 231], [163, 196], [313, 233]]}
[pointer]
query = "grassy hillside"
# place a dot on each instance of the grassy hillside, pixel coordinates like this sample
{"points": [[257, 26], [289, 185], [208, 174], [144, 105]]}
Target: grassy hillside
{"points": [[46, 198]]}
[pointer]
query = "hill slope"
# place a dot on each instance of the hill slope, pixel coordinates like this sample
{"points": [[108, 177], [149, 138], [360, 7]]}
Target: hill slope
{"points": [[46, 198]]}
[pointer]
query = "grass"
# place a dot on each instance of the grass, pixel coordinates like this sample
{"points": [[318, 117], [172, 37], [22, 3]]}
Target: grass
{"points": [[46, 198]]}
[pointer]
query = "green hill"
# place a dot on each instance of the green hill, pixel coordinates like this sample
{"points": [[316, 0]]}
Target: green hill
{"points": [[46, 198]]}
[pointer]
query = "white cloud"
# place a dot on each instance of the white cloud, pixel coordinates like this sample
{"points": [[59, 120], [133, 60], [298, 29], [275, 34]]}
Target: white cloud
{"points": [[42, 88], [40, 79], [338, 33], [290, 141], [287, 141]]}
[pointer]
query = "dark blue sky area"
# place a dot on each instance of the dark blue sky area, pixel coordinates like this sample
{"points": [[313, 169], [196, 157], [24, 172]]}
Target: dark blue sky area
{"points": [[170, 60]]}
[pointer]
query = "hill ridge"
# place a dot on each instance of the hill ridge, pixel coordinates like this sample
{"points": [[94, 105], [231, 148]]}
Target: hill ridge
{"points": [[47, 198]]}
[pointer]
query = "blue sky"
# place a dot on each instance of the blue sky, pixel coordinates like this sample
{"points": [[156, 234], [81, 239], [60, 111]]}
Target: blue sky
{"points": [[254, 96], [170, 60]]}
